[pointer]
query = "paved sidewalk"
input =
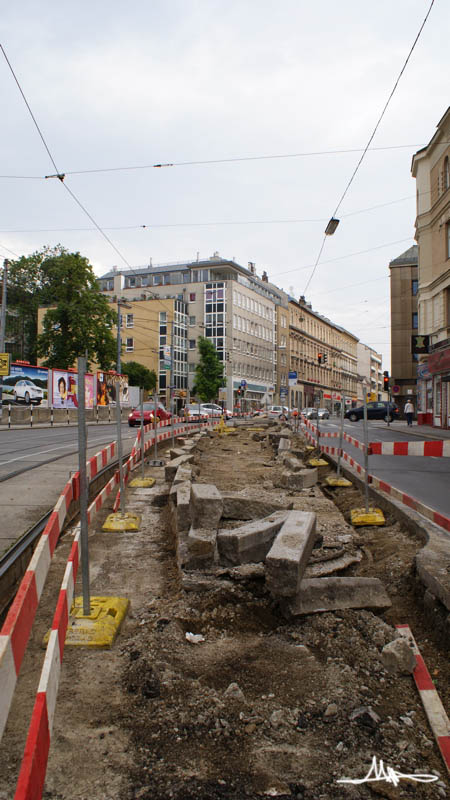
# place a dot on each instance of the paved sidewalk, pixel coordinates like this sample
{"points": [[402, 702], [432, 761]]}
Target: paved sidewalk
{"points": [[422, 431]]}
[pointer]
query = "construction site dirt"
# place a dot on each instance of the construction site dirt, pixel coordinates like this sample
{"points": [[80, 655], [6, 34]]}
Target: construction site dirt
{"points": [[254, 703]]}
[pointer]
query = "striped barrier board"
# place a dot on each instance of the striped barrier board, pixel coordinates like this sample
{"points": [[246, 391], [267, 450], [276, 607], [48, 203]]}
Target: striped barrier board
{"points": [[430, 513], [435, 711], [16, 630], [434, 449]]}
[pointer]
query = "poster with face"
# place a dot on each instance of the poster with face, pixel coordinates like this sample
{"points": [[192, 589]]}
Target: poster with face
{"points": [[102, 394], [60, 388]]}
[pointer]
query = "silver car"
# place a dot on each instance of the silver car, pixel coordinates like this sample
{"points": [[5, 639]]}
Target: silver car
{"points": [[323, 413]]}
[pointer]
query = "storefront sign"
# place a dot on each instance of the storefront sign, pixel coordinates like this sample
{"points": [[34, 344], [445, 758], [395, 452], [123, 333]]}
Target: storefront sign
{"points": [[438, 362]]}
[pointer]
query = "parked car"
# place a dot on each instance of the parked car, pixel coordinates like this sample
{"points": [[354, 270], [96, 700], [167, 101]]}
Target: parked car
{"points": [[192, 413], [378, 410], [28, 392], [310, 413], [278, 411], [214, 410], [323, 413], [149, 410]]}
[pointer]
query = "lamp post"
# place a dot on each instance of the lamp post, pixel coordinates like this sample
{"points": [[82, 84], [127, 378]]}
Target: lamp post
{"points": [[121, 303], [3, 325]]}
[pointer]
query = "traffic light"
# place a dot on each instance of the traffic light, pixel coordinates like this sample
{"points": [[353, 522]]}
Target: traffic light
{"points": [[319, 357], [239, 391], [325, 358], [386, 381]]}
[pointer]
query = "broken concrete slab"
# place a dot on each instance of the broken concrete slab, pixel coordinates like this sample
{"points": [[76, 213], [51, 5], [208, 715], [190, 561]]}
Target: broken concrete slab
{"points": [[206, 505], [179, 506], [183, 474], [201, 547], [293, 464], [334, 594], [237, 506], [303, 479], [397, 656], [251, 542], [171, 468], [176, 452], [324, 568], [289, 554], [284, 444]]}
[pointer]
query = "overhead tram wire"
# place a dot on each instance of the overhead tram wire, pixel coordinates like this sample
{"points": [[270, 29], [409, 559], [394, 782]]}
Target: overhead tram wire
{"points": [[371, 137]]}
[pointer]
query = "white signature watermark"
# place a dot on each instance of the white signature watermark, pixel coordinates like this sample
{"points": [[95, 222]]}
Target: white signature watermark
{"points": [[378, 772]]}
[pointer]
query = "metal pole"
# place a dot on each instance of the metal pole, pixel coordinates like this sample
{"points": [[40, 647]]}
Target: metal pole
{"points": [[119, 446], [172, 377], [366, 454], [155, 402], [51, 416], [341, 437], [389, 408], [318, 431], [31, 416], [84, 540], [3, 324], [142, 433], [9, 415], [68, 417]]}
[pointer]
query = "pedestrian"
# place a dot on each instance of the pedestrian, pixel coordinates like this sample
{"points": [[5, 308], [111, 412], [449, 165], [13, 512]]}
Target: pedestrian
{"points": [[409, 411]]}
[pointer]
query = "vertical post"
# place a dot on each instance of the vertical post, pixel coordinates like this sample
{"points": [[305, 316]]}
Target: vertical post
{"points": [[366, 453], [9, 415], [51, 416], [172, 375], [31, 415], [389, 408], [96, 409], [119, 446], [155, 446], [341, 437], [141, 393], [84, 540], [318, 431], [68, 416], [3, 324], [109, 413]]}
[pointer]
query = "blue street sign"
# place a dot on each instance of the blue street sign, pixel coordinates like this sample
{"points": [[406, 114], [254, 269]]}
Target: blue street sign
{"points": [[243, 383]]}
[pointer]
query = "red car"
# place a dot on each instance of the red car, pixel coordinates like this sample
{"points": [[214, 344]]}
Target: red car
{"points": [[149, 409]]}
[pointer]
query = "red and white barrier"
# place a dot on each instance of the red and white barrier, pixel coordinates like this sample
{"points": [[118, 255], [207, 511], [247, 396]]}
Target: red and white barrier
{"points": [[435, 711], [433, 449], [16, 630], [430, 513]]}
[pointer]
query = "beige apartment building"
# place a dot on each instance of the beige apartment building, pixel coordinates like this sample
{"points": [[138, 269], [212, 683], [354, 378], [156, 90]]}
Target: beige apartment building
{"points": [[319, 384], [404, 273], [370, 367], [431, 169]]}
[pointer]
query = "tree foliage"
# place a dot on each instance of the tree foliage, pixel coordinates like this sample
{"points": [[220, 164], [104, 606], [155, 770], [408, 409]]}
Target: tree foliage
{"points": [[209, 375], [79, 319], [138, 375]]}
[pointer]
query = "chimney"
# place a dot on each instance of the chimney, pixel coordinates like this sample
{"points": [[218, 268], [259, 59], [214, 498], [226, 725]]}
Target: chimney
{"points": [[251, 266], [302, 300], [265, 277]]}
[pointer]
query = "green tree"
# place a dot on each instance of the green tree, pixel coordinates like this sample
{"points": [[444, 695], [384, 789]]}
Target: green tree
{"points": [[209, 375], [79, 318], [138, 375]]}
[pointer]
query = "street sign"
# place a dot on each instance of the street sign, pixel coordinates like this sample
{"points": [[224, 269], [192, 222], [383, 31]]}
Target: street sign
{"points": [[243, 383], [396, 389], [283, 391], [292, 378], [4, 363]]}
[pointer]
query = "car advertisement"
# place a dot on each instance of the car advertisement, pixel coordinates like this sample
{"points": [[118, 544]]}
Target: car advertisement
{"points": [[107, 388], [25, 385], [65, 389]]}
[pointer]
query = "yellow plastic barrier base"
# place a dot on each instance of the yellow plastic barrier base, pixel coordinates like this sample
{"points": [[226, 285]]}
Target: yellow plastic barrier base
{"points": [[142, 483], [359, 517], [126, 521], [309, 448], [318, 462], [337, 481], [102, 625]]}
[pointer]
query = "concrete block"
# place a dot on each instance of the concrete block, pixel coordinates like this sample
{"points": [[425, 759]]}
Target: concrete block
{"points": [[292, 463], [333, 594], [179, 507], [284, 444], [206, 505], [303, 479], [182, 475], [397, 656], [289, 554], [201, 547], [251, 542], [177, 452], [171, 468], [236, 506]]}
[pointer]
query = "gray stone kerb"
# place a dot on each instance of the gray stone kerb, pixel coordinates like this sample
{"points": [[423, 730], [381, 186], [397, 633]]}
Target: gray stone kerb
{"points": [[249, 543], [433, 560], [290, 552]]}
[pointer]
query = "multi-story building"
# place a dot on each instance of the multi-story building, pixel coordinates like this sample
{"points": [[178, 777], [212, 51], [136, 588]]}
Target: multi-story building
{"points": [[431, 169], [370, 368], [224, 302], [320, 381], [404, 325]]}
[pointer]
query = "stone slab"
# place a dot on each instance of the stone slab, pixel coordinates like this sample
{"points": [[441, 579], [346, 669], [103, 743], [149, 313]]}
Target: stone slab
{"points": [[334, 594], [251, 542], [201, 547], [206, 505], [303, 479], [177, 452], [290, 552], [237, 506], [183, 474], [171, 468], [284, 444], [179, 506], [292, 463]]}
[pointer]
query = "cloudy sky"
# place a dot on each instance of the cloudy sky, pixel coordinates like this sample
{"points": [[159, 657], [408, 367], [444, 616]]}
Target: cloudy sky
{"points": [[168, 81]]}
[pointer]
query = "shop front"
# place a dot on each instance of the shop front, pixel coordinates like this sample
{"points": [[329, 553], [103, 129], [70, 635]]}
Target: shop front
{"points": [[437, 392]]}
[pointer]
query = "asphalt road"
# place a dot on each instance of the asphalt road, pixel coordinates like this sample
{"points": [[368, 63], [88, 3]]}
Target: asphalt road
{"points": [[425, 478]]}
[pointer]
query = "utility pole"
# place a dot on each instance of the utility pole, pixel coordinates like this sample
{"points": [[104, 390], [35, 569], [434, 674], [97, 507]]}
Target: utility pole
{"points": [[123, 304], [3, 324]]}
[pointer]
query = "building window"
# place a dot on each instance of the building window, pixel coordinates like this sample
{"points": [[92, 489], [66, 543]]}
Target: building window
{"points": [[163, 316], [446, 174], [414, 286], [415, 320], [447, 229], [192, 297], [130, 320], [129, 345], [191, 320], [191, 344]]}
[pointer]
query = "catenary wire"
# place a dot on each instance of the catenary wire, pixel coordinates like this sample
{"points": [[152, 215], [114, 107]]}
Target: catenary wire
{"points": [[371, 137]]}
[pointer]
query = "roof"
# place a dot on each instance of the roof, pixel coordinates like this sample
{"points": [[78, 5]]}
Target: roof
{"points": [[410, 256]]}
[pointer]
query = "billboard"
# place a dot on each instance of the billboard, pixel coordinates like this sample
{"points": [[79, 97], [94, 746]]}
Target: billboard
{"points": [[25, 385], [107, 387], [65, 389]]}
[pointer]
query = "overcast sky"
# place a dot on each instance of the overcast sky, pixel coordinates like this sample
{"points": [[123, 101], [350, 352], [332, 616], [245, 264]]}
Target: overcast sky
{"points": [[117, 85]]}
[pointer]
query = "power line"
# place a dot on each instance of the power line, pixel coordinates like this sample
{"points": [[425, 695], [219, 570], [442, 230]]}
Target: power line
{"points": [[348, 255], [371, 137]]}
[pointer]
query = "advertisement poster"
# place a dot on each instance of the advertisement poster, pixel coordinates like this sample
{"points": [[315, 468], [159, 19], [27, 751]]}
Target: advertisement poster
{"points": [[65, 389], [107, 387], [25, 385]]}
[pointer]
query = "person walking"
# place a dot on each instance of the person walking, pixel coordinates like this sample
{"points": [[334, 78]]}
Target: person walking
{"points": [[409, 411]]}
